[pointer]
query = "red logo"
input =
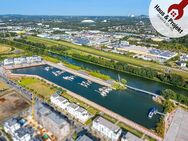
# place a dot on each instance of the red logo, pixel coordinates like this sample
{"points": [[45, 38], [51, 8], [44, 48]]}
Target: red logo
{"points": [[177, 10]]}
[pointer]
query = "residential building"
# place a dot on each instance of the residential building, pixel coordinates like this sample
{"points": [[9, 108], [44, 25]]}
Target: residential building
{"points": [[11, 126], [182, 64], [22, 134], [18, 131], [130, 137], [84, 138], [52, 121], [22, 60], [106, 128], [9, 61], [73, 109]]}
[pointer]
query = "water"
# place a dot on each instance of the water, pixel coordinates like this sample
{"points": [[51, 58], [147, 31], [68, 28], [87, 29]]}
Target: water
{"points": [[130, 104], [134, 81]]}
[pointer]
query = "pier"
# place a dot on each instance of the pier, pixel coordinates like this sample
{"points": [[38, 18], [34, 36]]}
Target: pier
{"points": [[143, 91]]}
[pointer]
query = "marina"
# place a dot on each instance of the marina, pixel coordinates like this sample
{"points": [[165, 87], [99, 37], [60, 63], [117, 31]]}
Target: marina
{"points": [[104, 91], [126, 103], [85, 83]]}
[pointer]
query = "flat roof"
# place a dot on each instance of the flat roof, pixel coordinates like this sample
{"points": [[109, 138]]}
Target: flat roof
{"points": [[73, 105], [59, 120], [107, 124], [178, 130], [130, 137], [62, 99]]}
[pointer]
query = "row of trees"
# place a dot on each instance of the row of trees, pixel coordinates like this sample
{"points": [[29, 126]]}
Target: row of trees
{"points": [[173, 79], [169, 94]]}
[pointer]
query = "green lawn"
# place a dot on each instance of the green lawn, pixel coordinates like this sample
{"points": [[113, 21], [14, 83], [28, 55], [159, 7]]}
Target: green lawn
{"points": [[107, 55], [50, 59], [41, 88]]}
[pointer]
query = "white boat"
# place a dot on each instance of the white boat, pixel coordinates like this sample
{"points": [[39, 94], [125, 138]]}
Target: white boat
{"points": [[54, 73], [70, 78], [47, 68], [103, 94]]}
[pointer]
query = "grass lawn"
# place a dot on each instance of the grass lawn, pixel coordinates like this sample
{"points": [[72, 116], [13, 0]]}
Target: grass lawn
{"points": [[50, 59], [130, 129], [4, 48], [108, 55], [41, 88]]}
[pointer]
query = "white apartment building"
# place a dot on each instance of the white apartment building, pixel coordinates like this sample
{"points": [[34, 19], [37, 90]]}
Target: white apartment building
{"points": [[73, 109], [107, 129], [22, 60], [9, 61], [11, 126]]}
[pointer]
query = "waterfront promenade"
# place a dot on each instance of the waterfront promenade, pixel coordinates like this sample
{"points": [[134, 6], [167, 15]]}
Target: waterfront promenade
{"points": [[100, 108]]}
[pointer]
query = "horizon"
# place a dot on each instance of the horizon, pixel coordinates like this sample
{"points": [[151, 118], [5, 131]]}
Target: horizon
{"points": [[75, 8]]}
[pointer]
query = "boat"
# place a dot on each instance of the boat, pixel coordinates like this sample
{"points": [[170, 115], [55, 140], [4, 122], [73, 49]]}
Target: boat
{"points": [[85, 83], [151, 112], [47, 68], [54, 73], [70, 78], [103, 94]]}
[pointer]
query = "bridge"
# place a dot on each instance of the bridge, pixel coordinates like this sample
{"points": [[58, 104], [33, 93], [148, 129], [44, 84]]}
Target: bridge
{"points": [[143, 91]]}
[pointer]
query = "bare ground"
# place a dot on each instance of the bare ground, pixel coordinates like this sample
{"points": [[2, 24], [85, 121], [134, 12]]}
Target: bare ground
{"points": [[11, 104]]}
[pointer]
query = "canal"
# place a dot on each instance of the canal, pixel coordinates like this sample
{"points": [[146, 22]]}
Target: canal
{"points": [[132, 80], [130, 104]]}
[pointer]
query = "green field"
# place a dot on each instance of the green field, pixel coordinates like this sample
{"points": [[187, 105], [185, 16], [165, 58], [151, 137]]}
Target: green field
{"points": [[108, 55], [40, 88]]}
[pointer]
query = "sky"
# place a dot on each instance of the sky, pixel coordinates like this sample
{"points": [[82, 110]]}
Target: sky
{"points": [[75, 7]]}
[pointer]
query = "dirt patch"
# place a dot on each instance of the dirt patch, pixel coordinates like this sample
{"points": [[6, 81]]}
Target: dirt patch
{"points": [[11, 104]]}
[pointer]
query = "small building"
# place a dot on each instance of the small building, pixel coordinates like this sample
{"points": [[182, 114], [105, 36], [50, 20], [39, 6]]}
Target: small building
{"points": [[130, 137], [9, 61], [107, 129], [184, 58], [182, 64], [22, 135], [11, 126]]}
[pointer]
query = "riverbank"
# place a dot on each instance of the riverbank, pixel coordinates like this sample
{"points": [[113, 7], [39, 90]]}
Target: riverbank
{"points": [[100, 108]]}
